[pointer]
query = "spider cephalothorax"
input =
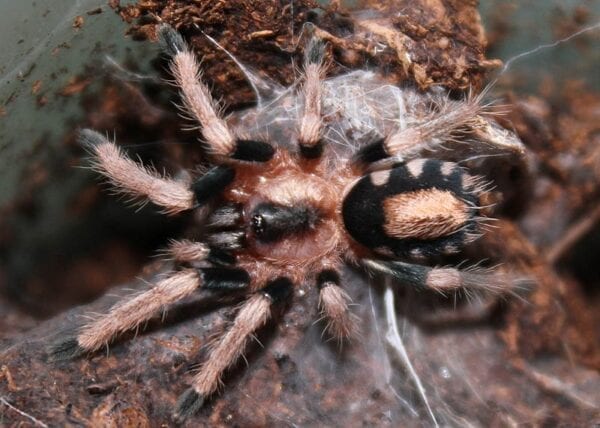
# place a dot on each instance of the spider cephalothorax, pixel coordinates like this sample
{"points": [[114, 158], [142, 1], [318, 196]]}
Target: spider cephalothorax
{"points": [[277, 215]]}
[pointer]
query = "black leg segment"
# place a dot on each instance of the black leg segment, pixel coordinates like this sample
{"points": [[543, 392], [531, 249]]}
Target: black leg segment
{"points": [[327, 276], [371, 153], [218, 257], [212, 183], [65, 349], [409, 274], [278, 289], [188, 405], [253, 151], [312, 151], [227, 241], [225, 279]]}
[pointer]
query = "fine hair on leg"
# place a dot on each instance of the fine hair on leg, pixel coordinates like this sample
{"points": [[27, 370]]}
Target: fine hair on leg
{"points": [[130, 178], [310, 130], [334, 305], [253, 314], [129, 314]]}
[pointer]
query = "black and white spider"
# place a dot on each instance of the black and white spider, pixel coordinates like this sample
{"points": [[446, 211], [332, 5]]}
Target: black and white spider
{"points": [[340, 185]]}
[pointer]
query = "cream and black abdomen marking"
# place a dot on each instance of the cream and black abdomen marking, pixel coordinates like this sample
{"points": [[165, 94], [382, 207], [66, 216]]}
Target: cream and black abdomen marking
{"points": [[423, 208]]}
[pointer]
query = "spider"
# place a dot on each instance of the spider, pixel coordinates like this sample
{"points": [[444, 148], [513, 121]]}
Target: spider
{"points": [[278, 214]]}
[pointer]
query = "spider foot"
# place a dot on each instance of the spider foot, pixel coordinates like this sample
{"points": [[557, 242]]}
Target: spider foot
{"points": [[65, 349], [189, 403], [90, 139]]}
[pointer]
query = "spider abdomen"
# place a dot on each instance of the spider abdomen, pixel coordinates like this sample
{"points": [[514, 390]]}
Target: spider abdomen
{"points": [[422, 208]]}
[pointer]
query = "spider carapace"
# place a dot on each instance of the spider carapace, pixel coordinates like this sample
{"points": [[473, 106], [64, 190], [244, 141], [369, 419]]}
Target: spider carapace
{"points": [[279, 215]]}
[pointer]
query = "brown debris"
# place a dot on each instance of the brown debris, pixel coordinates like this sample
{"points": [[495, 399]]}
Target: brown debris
{"points": [[115, 413], [436, 43], [554, 319], [96, 11], [75, 86], [7, 376], [78, 22], [35, 87]]}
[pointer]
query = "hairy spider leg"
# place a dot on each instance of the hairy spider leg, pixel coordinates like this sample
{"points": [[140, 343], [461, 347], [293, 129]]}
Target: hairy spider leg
{"points": [[197, 100], [334, 305], [129, 314], [253, 314], [186, 251], [133, 179], [443, 279], [412, 141], [310, 129]]}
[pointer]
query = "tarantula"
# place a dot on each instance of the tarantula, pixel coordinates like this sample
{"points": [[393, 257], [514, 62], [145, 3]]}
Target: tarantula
{"points": [[280, 214]]}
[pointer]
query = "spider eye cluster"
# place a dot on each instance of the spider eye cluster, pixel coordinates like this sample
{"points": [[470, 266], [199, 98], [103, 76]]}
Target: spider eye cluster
{"points": [[270, 222]]}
